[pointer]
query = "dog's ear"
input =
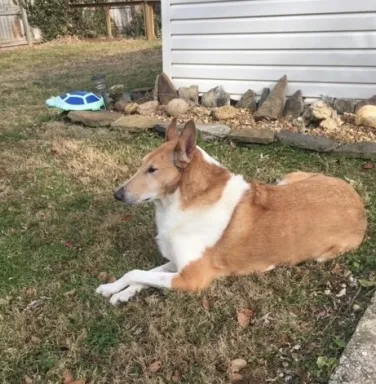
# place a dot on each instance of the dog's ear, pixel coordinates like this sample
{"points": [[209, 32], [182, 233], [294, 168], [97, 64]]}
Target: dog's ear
{"points": [[171, 131], [186, 145]]}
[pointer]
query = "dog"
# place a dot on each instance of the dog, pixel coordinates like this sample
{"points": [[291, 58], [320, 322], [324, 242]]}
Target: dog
{"points": [[213, 223]]}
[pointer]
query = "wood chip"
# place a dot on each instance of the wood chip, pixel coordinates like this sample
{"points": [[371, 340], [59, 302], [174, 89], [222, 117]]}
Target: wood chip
{"points": [[205, 304]]}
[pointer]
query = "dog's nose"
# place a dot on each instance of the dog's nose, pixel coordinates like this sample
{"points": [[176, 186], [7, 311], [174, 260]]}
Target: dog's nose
{"points": [[119, 194]]}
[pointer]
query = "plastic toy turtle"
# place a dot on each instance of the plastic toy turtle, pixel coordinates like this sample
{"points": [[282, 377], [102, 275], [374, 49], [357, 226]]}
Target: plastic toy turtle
{"points": [[76, 101]]}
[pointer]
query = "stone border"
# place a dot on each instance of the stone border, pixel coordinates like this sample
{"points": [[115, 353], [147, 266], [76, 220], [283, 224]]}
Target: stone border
{"points": [[358, 362], [139, 123], [363, 150]]}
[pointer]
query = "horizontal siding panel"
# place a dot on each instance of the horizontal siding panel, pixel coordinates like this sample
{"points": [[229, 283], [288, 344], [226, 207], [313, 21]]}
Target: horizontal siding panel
{"points": [[270, 73], [277, 57], [194, 10], [281, 24], [335, 40], [314, 90]]}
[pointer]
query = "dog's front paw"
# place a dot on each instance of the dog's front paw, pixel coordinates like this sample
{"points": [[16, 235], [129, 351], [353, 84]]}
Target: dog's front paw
{"points": [[107, 290], [127, 294]]}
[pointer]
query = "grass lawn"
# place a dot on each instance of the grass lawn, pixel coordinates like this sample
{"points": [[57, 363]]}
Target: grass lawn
{"points": [[60, 228]]}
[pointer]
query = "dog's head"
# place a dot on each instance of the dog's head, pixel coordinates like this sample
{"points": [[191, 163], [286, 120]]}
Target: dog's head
{"points": [[160, 172]]}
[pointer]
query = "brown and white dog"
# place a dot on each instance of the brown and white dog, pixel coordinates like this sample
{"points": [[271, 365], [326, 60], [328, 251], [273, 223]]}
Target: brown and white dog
{"points": [[213, 223]]}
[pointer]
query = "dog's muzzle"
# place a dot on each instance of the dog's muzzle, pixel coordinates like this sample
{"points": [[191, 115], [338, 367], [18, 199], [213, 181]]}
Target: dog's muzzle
{"points": [[120, 194]]}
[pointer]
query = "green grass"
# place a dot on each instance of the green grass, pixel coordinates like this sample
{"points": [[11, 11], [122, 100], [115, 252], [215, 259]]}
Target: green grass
{"points": [[60, 227]]}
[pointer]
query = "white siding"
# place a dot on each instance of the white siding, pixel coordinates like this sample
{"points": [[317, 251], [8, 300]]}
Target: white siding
{"points": [[323, 46]]}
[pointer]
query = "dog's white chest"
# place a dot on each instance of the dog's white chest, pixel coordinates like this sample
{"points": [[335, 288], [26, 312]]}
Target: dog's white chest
{"points": [[184, 235]]}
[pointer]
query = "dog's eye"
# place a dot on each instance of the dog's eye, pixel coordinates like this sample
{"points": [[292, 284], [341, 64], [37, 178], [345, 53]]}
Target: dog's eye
{"points": [[151, 169]]}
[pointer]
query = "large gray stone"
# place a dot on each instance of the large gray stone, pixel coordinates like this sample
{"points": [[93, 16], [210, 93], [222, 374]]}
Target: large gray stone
{"points": [[345, 105], [94, 119], [248, 101], [264, 95], [134, 123], [362, 103], [215, 97], [357, 364], [363, 150], [251, 136], [189, 94], [313, 143], [219, 131], [294, 105], [272, 108], [166, 90]]}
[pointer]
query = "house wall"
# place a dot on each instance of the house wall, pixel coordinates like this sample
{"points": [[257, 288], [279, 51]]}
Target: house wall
{"points": [[325, 47]]}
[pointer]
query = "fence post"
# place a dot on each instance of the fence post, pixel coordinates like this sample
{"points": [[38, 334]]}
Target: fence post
{"points": [[108, 21], [26, 26], [149, 21]]}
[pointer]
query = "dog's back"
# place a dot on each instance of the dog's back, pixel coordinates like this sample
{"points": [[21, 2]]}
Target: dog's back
{"points": [[314, 217]]}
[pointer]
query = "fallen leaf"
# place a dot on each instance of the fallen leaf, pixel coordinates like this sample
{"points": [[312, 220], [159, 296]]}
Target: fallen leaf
{"points": [[78, 382], [103, 276], [111, 279], [367, 283], [30, 292], [205, 304], [67, 377], [176, 377], [34, 304], [234, 377], [237, 365], [155, 367], [70, 293], [244, 316], [336, 269], [27, 380], [367, 166], [68, 244], [35, 340]]}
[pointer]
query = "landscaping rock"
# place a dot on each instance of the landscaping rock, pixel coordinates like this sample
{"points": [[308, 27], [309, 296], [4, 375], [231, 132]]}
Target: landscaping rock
{"points": [[344, 105], [116, 91], [299, 123], [155, 89], [248, 101], [148, 108], [313, 143], [321, 111], [272, 108], [189, 94], [120, 105], [224, 113], [331, 124], [219, 131], [208, 130], [94, 119], [216, 97], [294, 105], [264, 95], [137, 96], [134, 123], [366, 116], [307, 115], [177, 107], [166, 90], [126, 96], [250, 136], [329, 101], [362, 103], [130, 108], [364, 150]]}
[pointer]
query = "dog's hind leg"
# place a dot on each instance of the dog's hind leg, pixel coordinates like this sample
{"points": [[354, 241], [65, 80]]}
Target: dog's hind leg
{"points": [[110, 289]]}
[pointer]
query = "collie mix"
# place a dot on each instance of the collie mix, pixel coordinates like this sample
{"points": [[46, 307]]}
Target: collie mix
{"points": [[213, 223]]}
